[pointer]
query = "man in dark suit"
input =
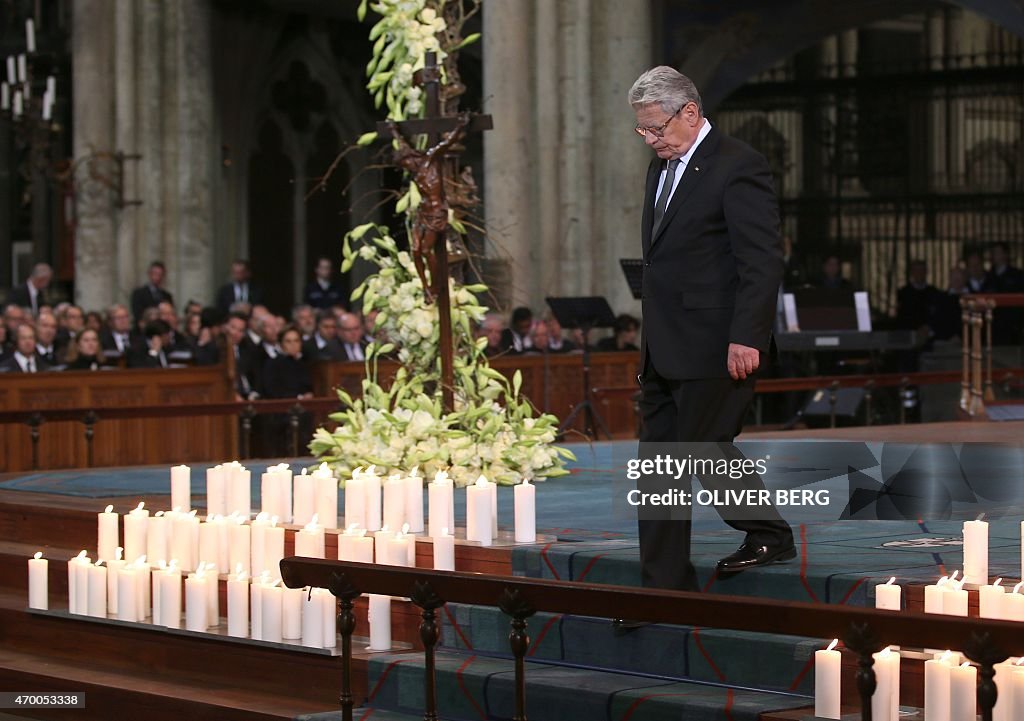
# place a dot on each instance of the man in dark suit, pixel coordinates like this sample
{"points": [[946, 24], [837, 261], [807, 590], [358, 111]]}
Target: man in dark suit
{"points": [[350, 333], [24, 358], [32, 293], [149, 351], [152, 293], [324, 343], [712, 269], [324, 292], [240, 288], [117, 338]]}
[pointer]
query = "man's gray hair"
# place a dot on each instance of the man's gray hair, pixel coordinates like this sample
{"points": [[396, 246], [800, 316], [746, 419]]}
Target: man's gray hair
{"points": [[42, 270], [667, 87]]}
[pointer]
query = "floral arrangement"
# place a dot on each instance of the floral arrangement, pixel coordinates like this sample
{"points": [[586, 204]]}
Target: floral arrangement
{"points": [[491, 430]]}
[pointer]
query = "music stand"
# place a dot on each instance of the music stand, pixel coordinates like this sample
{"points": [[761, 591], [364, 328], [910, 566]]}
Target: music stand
{"points": [[584, 312], [633, 269]]}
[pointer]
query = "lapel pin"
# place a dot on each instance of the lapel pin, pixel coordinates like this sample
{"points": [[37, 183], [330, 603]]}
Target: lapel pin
{"points": [[696, 168]]}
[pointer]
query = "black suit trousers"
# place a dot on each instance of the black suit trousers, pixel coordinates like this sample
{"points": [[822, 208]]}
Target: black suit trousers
{"points": [[689, 411]]}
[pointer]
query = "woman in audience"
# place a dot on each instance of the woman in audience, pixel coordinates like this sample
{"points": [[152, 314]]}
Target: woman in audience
{"points": [[626, 330], [193, 327], [94, 321], [83, 352], [287, 376]]}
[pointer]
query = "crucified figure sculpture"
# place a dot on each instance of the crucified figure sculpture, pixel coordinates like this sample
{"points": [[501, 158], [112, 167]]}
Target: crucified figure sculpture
{"points": [[431, 222]]}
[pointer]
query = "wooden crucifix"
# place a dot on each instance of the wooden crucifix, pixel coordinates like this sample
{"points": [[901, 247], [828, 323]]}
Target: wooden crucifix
{"points": [[429, 168]]}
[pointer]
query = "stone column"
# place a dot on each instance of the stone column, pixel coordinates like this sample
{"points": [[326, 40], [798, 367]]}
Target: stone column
{"points": [[548, 233], [622, 50], [507, 174], [151, 112], [126, 266], [193, 85], [93, 59]]}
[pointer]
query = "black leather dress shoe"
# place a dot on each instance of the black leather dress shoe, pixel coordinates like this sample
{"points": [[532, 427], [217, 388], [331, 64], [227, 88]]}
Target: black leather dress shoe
{"points": [[749, 555], [622, 626]]}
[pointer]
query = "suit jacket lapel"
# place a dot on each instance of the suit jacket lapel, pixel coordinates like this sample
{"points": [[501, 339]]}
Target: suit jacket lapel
{"points": [[653, 171], [695, 169]]}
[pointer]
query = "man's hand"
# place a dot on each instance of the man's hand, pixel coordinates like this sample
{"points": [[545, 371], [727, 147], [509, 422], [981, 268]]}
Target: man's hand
{"points": [[742, 361]]}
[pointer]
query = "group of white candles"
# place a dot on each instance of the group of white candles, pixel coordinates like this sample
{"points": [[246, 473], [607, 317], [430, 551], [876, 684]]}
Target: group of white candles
{"points": [[950, 686], [178, 557]]}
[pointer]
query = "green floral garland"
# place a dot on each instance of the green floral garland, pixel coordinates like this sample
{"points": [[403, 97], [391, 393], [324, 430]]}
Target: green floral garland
{"points": [[492, 430]]}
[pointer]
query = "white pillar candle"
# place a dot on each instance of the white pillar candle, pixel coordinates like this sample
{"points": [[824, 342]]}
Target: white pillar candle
{"points": [[976, 552], [394, 501], [963, 693], [223, 544], [326, 488], [355, 500], [155, 592], [381, 547], [1022, 549], [312, 620], [309, 541], [440, 492], [526, 512], [1013, 604], [256, 604], [238, 604], [329, 607], [373, 499], [273, 550], [827, 674], [181, 488], [304, 505], [216, 491], [1004, 686], [156, 538], [888, 595], [184, 540], [494, 510], [170, 596], [135, 523], [291, 624], [444, 551], [97, 590], [30, 35], [209, 543], [355, 545], [1016, 709], [933, 596], [284, 488], [39, 582], [197, 600], [82, 584], [414, 501], [399, 550], [887, 669], [22, 68], [478, 512], [936, 688], [107, 534], [144, 589], [114, 567], [213, 596], [270, 493], [239, 544], [258, 529], [990, 600], [954, 600], [127, 594], [12, 75], [379, 615], [271, 611], [5, 96], [239, 487], [73, 581]]}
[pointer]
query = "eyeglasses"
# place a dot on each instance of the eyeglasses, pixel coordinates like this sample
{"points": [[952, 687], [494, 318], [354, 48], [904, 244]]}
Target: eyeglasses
{"points": [[658, 131]]}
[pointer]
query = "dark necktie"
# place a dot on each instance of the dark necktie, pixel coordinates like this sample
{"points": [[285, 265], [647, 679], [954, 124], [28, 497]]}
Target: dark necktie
{"points": [[666, 191]]}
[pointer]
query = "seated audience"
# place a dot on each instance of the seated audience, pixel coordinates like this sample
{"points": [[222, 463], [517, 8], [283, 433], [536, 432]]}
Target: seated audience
{"points": [[234, 333], [94, 321], [84, 353], [626, 330], [71, 322], [976, 275], [304, 319], [116, 339], [351, 335], [14, 315], [177, 346], [539, 338], [947, 323], [323, 292], [491, 327], [286, 376], [5, 350], [832, 274], [193, 327], [557, 342], [918, 302], [1003, 277], [24, 359]]}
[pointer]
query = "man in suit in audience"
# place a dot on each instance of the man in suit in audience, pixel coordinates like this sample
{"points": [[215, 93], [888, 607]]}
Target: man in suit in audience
{"points": [[712, 269], [304, 319], [351, 334], [323, 291], [32, 293], [516, 338], [71, 322], [14, 316], [242, 349], [150, 351], [324, 343], [24, 359], [46, 337], [116, 339], [177, 345], [152, 292], [239, 289], [1004, 277]]}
